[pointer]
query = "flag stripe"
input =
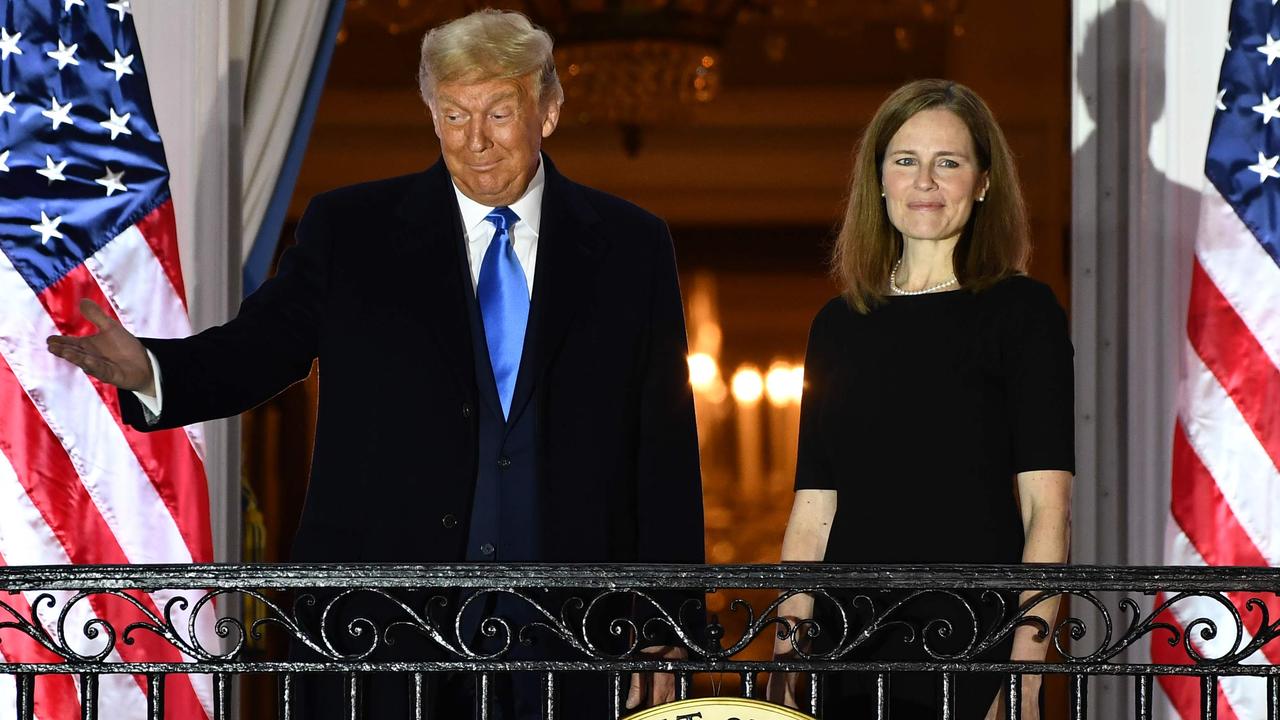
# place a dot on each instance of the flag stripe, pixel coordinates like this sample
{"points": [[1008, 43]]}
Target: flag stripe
{"points": [[134, 286], [38, 460], [166, 456], [1188, 609], [1245, 695], [1241, 270], [1236, 359], [8, 692], [1183, 692], [1202, 512], [69, 405], [24, 531], [55, 694], [1231, 453], [159, 229], [1207, 522], [131, 277]]}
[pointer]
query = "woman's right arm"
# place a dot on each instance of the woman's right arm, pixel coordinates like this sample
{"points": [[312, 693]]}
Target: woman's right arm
{"points": [[805, 541]]}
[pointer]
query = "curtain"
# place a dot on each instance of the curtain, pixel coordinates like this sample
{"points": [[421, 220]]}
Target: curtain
{"points": [[291, 43]]}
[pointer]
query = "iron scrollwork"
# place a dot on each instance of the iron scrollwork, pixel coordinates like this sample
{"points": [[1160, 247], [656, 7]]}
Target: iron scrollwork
{"points": [[591, 620]]}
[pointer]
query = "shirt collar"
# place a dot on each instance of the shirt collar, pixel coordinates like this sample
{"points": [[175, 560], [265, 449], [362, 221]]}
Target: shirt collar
{"points": [[528, 208]]}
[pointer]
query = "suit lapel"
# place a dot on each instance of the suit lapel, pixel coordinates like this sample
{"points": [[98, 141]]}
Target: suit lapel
{"points": [[569, 242], [427, 256]]}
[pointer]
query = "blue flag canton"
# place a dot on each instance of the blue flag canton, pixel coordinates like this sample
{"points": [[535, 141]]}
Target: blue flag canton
{"points": [[1243, 159], [80, 155]]}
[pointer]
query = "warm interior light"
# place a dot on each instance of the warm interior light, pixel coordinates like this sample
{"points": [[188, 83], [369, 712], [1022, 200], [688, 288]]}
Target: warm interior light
{"points": [[747, 385], [783, 385], [703, 372]]}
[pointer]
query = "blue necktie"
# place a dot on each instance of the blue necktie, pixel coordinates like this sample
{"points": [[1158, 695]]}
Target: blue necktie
{"points": [[504, 304]]}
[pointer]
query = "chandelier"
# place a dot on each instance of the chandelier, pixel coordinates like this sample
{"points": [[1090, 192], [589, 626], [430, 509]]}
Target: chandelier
{"points": [[644, 63], [639, 63]]}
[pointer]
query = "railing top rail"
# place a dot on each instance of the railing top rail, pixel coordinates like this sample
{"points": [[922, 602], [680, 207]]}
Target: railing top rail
{"points": [[641, 576]]}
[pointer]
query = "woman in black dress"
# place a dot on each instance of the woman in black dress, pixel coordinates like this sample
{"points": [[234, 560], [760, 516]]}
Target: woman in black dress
{"points": [[937, 419]]}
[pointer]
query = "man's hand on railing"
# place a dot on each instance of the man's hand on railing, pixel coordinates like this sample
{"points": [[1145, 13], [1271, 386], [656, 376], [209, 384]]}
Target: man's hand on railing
{"points": [[655, 688]]}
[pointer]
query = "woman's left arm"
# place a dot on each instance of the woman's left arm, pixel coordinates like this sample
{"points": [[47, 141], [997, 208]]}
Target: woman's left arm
{"points": [[1045, 499]]}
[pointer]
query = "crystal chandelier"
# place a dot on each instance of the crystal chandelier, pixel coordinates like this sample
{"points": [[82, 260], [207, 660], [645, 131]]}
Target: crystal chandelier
{"points": [[639, 63], [642, 63]]}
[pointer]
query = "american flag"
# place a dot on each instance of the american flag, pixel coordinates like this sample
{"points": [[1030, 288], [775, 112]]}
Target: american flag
{"points": [[1226, 458], [85, 212]]}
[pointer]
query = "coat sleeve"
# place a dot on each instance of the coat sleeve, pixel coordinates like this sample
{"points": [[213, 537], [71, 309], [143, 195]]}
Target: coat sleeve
{"points": [[269, 345], [669, 482], [668, 478]]}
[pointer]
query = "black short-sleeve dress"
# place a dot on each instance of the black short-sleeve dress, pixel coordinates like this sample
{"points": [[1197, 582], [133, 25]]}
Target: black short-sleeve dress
{"points": [[920, 413]]}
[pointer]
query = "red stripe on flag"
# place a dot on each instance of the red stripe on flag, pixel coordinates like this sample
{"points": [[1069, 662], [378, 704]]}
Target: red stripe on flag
{"points": [[166, 456], [1183, 691], [50, 479], [161, 231], [1206, 519], [55, 695], [1203, 513], [1236, 359]]}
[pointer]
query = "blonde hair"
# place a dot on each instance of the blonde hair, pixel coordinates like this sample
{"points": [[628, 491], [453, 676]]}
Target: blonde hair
{"points": [[489, 45], [994, 244]]}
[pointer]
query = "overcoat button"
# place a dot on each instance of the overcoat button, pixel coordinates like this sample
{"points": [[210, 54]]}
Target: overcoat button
{"points": [[487, 548], [466, 410], [504, 462], [449, 521]]}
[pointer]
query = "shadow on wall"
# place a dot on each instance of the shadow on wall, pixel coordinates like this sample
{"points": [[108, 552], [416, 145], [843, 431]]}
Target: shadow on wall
{"points": [[1145, 224], [1165, 211]]}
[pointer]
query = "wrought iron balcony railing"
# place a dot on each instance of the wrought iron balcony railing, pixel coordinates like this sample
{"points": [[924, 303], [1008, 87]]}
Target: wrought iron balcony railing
{"points": [[482, 621]]}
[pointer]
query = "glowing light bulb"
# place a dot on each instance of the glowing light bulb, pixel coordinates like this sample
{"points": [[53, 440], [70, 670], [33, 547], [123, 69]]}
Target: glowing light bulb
{"points": [[747, 385], [703, 372]]}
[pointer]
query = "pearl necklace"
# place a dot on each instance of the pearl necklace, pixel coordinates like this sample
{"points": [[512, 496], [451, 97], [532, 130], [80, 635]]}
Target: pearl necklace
{"points": [[893, 283]]}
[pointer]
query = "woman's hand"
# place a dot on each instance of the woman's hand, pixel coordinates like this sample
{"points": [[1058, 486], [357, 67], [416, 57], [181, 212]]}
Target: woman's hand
{"points": [[1044, 498], [781, 688], [805, 540], [657, 688]]}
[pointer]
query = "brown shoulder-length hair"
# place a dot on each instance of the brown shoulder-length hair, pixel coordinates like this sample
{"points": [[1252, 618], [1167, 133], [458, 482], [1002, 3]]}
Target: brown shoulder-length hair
{"points": [[994, 244]]}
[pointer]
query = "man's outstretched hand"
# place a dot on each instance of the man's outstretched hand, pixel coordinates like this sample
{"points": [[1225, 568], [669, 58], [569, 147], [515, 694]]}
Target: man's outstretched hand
{"points": [[112, 354]]}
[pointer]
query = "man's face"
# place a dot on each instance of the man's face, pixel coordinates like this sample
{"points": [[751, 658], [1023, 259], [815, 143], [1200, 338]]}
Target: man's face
{"points": [[490, 135]]}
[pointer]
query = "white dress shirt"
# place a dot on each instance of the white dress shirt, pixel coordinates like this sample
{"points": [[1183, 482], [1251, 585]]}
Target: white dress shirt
{"points": [[480, 232], [524, 234]]}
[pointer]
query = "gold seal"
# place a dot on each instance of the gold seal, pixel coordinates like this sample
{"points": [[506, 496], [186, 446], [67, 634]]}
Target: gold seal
{"points": [[719, 709]]}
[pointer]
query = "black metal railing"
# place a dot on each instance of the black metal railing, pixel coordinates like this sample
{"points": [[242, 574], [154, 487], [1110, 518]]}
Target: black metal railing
{"points": [[483, 621]]}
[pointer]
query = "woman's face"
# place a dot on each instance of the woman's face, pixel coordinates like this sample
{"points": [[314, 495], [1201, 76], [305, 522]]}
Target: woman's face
{"points": [[931, 176]]}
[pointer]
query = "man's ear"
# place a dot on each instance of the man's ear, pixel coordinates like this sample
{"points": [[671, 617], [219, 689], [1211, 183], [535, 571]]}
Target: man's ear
{"points": [[551, 118]]}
